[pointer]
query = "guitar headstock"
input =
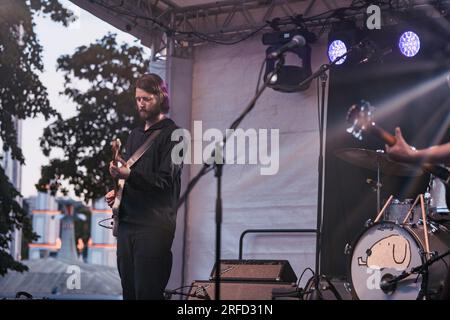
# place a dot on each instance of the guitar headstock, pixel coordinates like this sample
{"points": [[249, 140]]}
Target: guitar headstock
{"points": [[361, 118], [116, 145]]}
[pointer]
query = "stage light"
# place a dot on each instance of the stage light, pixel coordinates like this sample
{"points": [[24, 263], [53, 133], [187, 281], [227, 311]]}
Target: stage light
{"points": [[297, 66], [336, 49], [409, 44]]}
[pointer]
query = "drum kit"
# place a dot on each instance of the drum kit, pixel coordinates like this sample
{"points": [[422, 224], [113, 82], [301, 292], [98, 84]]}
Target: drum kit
{"points": [[403, 254]]}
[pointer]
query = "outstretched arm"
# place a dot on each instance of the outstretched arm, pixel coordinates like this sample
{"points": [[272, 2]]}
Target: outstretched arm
{"points": [[402, 151]]}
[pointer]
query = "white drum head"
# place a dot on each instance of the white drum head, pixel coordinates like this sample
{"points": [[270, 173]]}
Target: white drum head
{"points": [[384, 251]]}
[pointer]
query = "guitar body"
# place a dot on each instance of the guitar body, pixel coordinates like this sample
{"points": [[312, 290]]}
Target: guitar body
{"points": [[360, 116], [116, 206], [118, 188]]}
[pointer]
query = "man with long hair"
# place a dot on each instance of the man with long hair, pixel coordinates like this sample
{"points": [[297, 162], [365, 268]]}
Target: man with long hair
{"points": [[147, 212]]}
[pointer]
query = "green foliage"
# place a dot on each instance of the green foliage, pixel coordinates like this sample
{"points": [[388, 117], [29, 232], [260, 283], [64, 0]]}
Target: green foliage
{"points": [[22, 95], [12, 215], [106, 110]]}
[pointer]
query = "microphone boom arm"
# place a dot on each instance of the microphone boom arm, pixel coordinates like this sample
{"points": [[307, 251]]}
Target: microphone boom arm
{"points": [[391, 284]]}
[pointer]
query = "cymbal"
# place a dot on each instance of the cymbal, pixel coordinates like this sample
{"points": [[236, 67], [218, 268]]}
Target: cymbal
{"points": [[371, 159]]}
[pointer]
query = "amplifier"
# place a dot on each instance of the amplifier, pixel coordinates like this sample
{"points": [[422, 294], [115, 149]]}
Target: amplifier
{"points": [[205, 290], [255, 270]]}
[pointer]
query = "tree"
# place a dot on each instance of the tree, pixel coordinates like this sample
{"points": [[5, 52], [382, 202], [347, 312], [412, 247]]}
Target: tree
{"points": [[106, 110], [22, 95]]}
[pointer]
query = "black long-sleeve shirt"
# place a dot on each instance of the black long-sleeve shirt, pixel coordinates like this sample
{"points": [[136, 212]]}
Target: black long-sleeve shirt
{"points": [[152, 190]]}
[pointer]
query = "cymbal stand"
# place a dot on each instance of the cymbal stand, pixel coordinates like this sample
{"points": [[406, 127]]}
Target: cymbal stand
{"points": [[379, 181]]}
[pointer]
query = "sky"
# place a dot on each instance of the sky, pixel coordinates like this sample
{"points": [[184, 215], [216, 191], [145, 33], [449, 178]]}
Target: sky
{"points": [[58, 40]]}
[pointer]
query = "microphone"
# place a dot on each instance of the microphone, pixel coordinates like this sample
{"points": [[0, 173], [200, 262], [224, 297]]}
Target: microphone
{"points": [[296, 41], [388, 283]]}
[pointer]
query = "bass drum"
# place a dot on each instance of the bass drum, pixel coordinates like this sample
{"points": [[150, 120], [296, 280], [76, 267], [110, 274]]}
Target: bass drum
{"points": [[386, 249]]}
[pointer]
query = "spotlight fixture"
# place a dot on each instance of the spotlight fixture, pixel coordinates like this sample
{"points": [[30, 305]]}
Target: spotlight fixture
{"points": [[297, 59], [409, 44], [336, 49]]}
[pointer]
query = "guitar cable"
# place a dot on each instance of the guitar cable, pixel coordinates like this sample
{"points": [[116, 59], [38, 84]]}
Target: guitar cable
{"points": [[101, 223]]}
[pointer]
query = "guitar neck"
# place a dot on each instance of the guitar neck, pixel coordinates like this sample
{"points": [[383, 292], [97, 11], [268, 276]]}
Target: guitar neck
{"points": [[116, 181], [437, 170], [383, 135], [115, 159]]}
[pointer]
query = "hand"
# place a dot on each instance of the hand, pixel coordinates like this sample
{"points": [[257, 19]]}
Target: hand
{"points": [[119, 173], [110, 198], [401, 150]]}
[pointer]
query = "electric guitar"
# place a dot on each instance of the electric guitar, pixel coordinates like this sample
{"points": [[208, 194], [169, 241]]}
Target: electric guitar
{"points": [[118, 186], [361, 118]]}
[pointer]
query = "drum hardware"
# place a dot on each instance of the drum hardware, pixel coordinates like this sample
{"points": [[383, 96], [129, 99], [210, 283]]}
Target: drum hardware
{"points": [[314, 291], [403, 212], [347, 249], [423, 253], [388, 202], [425, 224], [375, 185], [389, 284], [379, 162], [348, 287], [433, 227], [389, 227], [424, 216], [402, 235], [443, 228], [427, 196], [374, 260], [368, 223], [378, 179], [411, 210]]}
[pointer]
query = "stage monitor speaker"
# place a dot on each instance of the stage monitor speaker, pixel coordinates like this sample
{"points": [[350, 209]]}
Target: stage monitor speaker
{"points": [[255, 270], [205, 290]]}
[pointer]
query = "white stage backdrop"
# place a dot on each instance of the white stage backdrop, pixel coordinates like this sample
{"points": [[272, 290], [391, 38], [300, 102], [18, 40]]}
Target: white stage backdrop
{"points": [[224, 81]]}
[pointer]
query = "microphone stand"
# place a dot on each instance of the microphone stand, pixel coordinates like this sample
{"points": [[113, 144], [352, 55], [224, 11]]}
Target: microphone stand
{"points": [[321, 72], [391, 285], [169, 293], [218, 167]]}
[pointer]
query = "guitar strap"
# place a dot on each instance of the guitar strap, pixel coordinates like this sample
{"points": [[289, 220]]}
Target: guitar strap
{"points": [[143, 148], [135, 157]]}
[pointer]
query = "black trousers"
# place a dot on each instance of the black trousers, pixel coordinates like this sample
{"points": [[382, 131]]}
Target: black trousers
{"points": [[144, 260]]}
